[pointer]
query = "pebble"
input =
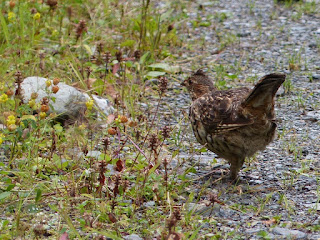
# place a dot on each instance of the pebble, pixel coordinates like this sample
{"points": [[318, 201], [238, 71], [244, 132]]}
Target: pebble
{"points": [[316, 77], [93, 154], [132, 237], [149, 204], [295, 234]]}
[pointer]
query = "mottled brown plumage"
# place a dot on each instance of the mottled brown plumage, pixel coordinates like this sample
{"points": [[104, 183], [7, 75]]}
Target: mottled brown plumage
{"points": [[233, 123]]}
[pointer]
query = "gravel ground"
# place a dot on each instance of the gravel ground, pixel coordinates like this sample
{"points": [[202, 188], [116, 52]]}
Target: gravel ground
{"points": [[278, 195]]}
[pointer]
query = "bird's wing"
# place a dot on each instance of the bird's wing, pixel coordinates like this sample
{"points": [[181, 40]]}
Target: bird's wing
{"points": [[220, 111]]}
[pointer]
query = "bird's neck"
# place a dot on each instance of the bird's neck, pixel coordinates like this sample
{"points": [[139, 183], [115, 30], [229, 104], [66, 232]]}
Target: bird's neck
{"points": [[200, 90]]}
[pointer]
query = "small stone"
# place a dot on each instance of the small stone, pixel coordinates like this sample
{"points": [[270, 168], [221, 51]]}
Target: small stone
{"points": [[152, 81], [314, 206], [280, 92], [93, 154], [316, 77], [252, 230], [149, 204], [244, 34], [296, 234], [313, 45], [132, 237]]}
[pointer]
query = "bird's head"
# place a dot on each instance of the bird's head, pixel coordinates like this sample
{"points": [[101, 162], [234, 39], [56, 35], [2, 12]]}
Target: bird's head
{"points": [[198, 84]]}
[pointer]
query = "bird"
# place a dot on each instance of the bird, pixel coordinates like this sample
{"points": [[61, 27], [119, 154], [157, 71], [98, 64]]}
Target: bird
{"points": [[233, 123]]}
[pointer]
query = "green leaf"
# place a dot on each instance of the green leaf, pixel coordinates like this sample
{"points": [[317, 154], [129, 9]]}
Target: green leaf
{"points": [[204, 24], [38, 195], [98, 86], [232, 76], [166, 15], [145, 57], [5, 29], [191, 170], [155, 74], [10, 187], [28, 117], [163, 66], [195, 234], [128, 43], [4, 195], [58, 128]]}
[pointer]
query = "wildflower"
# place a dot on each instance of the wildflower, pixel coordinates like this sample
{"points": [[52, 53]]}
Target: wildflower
{"points": [[36, 16], [163, 84], [12, 127], [56, 81], [106, 142], [12, 4], [11, 120], [36, 106], [11, 16], [137, 55], [9, 92], [44, 108], [34, 95], [31, 103], [123, 119], [52, 3], [43, 115], [165, 132], [118, 120], [112, 131], [80, 28], [89, 104], [48, 83], [55, 33], [3, 98], [82, 126], [33, 11], [133, 124], [55, 89]]}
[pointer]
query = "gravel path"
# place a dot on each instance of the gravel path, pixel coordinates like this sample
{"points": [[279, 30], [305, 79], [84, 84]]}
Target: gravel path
{"points": [[279, 193]]}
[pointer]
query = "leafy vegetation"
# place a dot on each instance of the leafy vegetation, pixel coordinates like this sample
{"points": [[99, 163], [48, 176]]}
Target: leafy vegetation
{"points": [[116, 175], [104, 47]]}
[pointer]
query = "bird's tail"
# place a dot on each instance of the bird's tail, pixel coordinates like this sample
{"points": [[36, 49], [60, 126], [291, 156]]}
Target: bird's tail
{"points": [[264, 91]]}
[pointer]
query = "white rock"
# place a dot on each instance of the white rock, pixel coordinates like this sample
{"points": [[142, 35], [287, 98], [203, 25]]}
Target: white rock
{"points": [[68, 100]]}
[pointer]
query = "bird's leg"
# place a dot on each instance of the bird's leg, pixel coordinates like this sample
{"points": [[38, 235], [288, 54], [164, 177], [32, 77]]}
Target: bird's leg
{"points": [[235, 168]]}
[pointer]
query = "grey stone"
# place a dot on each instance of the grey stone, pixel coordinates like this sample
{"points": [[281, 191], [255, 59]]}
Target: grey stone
{"points": [[149, 204], [313, 45], [93, 154], [244, 34], [132, 237], [316, 77], [252, 230], [296, 234], [314, 206]]}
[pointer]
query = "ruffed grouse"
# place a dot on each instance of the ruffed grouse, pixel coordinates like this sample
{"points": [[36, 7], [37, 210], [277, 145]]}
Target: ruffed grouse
{"points": [[233, 123]]}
